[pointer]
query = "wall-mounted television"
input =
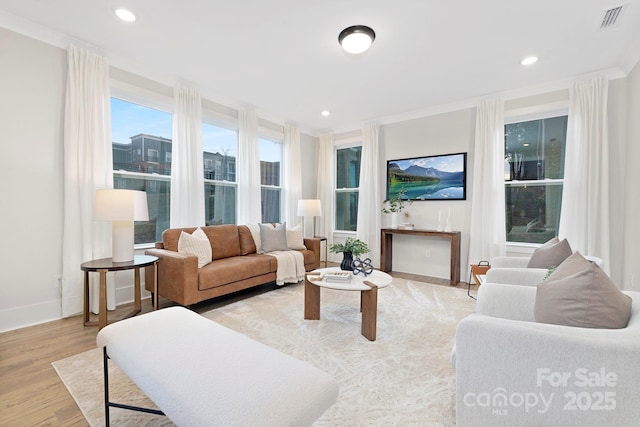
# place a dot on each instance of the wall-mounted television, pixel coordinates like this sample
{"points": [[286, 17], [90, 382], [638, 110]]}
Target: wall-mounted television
{"points": [[442, 177]]}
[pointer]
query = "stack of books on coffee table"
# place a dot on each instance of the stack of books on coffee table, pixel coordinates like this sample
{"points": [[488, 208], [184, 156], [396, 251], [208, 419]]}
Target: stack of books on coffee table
{"points": [[338, 276]]}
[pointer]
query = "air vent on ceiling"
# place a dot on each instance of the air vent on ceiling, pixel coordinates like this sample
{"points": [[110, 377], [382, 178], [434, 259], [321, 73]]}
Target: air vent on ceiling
{"points": [[611, 16]]}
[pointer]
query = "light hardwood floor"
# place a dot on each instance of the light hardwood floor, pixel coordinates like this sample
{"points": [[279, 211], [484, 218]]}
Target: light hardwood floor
{"points": [[31, 393]]}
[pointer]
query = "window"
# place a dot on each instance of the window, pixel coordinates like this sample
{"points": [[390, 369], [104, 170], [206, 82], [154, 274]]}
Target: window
{"points": [[138, 129], [534, 175], [220, 147], [270, 178], [153, 155], [347, 184]]}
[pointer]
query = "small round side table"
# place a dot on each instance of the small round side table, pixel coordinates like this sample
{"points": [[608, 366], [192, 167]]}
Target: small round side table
{"points": [[105, 265]]}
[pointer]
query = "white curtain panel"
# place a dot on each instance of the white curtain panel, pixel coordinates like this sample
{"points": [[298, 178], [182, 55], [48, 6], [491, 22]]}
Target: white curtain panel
{"points": [[187, 169], [325, 186], [584, 219], [488, 234], [88, 166], [248, 169], [292, 175], [369, 199]]}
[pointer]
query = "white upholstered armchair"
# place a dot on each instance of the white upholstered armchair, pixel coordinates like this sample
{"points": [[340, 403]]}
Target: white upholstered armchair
{"points": [[513, 270], [512, 371]]}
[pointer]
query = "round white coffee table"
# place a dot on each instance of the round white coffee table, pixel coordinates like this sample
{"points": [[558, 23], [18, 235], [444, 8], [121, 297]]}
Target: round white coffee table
{"points": [[368, 287]]}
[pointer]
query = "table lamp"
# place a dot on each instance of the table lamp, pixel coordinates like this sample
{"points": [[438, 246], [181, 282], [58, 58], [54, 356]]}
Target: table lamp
{"points": [[121, 208], [310, 207]]}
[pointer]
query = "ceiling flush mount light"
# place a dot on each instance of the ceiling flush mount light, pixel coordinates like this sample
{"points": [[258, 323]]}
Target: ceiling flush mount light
{"points": [[356, 39], [529, 60], [325, 113], [125, 14]]}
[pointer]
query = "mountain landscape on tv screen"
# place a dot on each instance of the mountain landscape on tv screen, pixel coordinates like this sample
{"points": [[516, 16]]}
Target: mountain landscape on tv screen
{"points": [[424, 183]]}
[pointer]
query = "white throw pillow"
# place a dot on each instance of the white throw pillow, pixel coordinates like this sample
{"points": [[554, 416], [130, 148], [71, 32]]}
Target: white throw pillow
{"points": [[273, 238], [295, 240], [255, 233], [196, 244]]}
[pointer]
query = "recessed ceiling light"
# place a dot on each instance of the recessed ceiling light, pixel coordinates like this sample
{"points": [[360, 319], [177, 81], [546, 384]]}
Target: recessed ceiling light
{"points": [[356, 39], [529, 60], [125, 14], [526, 144], [325, 113]]}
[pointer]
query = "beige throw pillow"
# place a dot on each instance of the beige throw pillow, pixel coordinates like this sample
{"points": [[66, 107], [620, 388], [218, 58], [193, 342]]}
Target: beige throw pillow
{"points": [[273, 238], [551, 254], [572, 265], [586, 299], [196, 244], [295, 240]]}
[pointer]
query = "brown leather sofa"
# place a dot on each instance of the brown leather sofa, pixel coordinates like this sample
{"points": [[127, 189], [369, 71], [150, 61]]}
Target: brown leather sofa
{"points": [[235, 265]]}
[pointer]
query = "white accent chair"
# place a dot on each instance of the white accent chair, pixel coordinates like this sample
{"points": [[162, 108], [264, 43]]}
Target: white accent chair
{"points": [[514, 271], [512, 371]]}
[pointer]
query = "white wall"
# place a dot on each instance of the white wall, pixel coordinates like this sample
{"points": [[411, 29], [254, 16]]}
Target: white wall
{"points": [[440, 134], [33, 77]]}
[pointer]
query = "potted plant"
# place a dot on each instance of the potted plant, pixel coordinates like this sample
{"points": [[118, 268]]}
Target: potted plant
{"points": [[350, 248], [395, 205]]}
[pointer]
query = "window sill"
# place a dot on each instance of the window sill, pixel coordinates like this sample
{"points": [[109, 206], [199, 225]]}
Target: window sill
{"points": [[522, 248], [143, 246]]}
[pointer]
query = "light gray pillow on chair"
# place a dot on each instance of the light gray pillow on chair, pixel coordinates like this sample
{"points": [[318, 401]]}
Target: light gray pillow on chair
{"points": [[551, 254], [586, 299], [273, 238]]}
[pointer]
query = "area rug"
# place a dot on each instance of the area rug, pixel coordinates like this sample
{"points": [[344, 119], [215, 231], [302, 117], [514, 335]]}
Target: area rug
{"points": [[402, 378]]}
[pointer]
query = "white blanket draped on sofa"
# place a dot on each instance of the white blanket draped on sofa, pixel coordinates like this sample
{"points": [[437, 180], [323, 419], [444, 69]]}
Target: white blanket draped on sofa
{"points": [[290, 266]]}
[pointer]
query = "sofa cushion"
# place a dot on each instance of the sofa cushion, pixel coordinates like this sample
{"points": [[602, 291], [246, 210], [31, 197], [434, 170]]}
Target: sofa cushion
{"points": [[295, 239], [273, 238], [229, 270], [247, 245], [225, 241], [586, 299], [551, 254], [196, 244]]}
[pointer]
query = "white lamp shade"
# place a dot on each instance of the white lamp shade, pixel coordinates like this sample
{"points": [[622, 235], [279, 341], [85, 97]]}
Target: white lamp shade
{"points": [[309, 207], [120, 205]]}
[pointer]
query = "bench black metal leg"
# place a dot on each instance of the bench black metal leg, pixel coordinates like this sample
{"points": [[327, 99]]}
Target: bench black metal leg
{"points": [[105, 366], [108, 404]]}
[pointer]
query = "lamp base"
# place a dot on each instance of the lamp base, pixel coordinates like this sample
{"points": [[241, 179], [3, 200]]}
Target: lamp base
{"points": [[122, 241]]}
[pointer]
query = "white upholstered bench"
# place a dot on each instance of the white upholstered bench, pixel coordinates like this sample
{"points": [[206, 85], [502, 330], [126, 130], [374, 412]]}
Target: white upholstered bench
{"points": [[200, 373]]}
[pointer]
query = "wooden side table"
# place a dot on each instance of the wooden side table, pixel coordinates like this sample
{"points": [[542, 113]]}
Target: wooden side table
{"points": [[105, 265]]}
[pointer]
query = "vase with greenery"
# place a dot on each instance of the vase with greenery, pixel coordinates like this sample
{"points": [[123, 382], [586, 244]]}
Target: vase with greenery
{"points": [[395, 205], [350, 248]]}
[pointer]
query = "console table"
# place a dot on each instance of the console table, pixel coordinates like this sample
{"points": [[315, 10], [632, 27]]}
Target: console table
{"points": [[386, 248]]}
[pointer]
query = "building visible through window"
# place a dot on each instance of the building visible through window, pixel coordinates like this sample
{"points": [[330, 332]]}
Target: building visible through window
{"points": [[270, 180], [220, 147], [142, 161], [347, 186], [534, 176]]}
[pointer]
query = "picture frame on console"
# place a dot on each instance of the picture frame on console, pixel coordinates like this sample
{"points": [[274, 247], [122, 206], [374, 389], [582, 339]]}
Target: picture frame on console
{"points": [[437, 177]]}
